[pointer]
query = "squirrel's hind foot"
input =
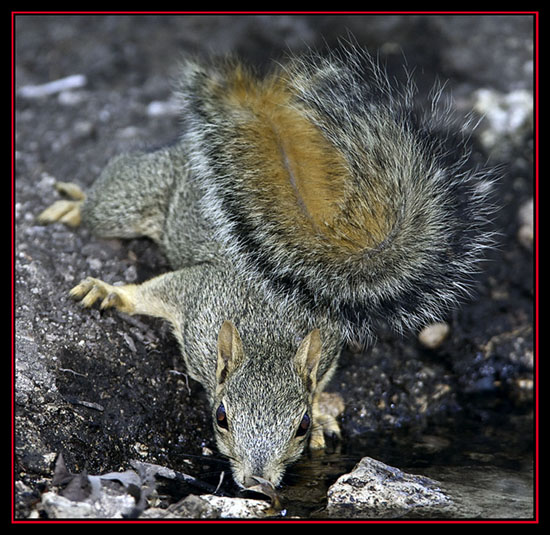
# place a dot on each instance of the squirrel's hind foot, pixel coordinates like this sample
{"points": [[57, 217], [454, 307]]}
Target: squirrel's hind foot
{"points": [[326, 408], [65, 211]]}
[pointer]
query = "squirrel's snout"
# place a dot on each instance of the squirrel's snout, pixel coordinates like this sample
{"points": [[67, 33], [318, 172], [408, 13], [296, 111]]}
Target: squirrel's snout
{"points": [[261, 485], [251, 479], [259, 478]]}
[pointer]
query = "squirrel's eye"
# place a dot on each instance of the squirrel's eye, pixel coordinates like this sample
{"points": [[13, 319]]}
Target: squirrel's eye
{"points": [[304, 425], [221, 417]]}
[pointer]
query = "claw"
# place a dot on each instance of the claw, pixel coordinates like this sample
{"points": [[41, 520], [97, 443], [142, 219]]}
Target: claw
{"points": [[90, 290], [317, 441], [70, 190], [92, 296], [81, 288]]}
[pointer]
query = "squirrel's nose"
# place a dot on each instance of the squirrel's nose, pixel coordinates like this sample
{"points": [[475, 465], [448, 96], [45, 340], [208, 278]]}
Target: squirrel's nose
{"points": [[255, 471], [262, 485], [254, 480], [259, 473]]}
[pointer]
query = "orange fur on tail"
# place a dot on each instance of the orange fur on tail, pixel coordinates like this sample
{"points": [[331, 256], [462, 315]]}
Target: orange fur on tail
{"points": [[301, 177]]}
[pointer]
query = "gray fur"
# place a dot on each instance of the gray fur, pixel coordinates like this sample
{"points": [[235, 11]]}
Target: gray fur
{"points": [[179, 197]]}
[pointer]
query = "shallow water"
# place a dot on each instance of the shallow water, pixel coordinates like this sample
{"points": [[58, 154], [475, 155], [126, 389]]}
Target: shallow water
{"points": [[483, 461], [486, 492], [483, 458]]}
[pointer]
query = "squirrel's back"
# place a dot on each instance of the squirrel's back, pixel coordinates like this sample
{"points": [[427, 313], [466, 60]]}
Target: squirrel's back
{"points": [[329, 186]]}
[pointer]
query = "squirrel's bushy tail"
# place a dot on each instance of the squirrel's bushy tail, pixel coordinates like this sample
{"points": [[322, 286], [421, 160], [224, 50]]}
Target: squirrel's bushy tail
{"points": [[329, 185]]}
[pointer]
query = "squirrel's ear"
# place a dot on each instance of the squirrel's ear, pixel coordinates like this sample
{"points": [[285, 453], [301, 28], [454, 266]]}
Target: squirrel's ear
{"points": [[307, 359], [230, 351]]}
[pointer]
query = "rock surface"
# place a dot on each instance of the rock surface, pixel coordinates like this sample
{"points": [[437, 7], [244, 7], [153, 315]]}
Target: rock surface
{"points": [[375, 490]]}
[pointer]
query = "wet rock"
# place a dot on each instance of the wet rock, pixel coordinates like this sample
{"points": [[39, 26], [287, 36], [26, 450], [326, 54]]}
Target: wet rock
{"points": [[109, 504], [117, 504], [375, 490], [228, 507], [133, 494], [111, 495], [210, 506]]}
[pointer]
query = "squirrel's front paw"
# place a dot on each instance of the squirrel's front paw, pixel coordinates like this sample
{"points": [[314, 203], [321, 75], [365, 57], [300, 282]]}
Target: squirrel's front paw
{"points": [[326, 408], [90, 290], [65, 211]]}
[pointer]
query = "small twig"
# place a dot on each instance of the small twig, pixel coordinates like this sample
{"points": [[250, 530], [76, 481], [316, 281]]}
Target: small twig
{"points": [[222, 475], [71, 371], [88, 404], [176, 372]]}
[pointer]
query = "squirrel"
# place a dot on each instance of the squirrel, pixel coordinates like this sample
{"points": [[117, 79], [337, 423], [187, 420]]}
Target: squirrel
{"points": [[298, 209]]}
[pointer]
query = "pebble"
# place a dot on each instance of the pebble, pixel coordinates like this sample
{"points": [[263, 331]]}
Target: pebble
{"points": [[526, 224], [507, 114], [158, 108], [51, 88], [432, 336]]}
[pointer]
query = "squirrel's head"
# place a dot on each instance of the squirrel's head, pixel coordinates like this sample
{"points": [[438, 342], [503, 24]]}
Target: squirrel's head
{"points": [[263, 406]]}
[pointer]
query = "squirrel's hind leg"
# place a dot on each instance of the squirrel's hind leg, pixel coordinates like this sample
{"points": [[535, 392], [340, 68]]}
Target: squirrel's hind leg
{"points": [[130, 198], [65, 211]]}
